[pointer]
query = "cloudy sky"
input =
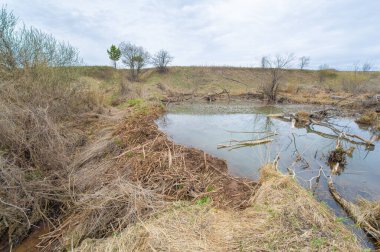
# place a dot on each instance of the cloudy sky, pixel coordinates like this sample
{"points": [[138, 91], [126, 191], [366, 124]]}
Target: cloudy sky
{"points": [[214, 32]]}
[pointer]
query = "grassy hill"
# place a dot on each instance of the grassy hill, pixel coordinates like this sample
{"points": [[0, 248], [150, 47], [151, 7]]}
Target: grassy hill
{"points": [[299, 86]]}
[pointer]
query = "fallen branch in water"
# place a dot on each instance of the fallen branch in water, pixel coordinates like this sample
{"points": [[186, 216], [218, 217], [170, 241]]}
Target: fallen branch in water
{"points": [[252, 132], [276, 115], [317, 178], [345, 135], [367, 221], [241, 144], [306, 120]]}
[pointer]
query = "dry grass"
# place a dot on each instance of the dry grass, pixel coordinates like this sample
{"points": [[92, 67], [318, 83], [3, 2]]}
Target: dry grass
{"points": [[123, 176], [38, 135], [130, 172], [302, 118], [282, 217], [369, 212], [370, 118], [197, 82], [175, 171]]}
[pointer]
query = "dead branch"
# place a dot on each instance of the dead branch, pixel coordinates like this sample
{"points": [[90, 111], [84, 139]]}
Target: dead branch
{"points": [[345, 135], [212, 97], [354, 211], [244, 144], [252, 132]]}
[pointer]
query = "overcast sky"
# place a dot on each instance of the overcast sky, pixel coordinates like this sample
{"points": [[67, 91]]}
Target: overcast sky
{"points": [[214, 32]]}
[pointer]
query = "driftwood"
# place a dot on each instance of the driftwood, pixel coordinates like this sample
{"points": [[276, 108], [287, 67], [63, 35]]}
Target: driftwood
{"points": [[212, 97], [241, 144], [308, 119], [343, 135], [252, 132], [354, 212]]}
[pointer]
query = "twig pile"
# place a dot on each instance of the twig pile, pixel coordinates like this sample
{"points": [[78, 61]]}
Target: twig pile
{"points": [[177, 172]]}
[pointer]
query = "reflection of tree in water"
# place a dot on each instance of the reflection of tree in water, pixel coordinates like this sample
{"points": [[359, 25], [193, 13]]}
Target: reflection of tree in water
{"points": [[268, 124]]}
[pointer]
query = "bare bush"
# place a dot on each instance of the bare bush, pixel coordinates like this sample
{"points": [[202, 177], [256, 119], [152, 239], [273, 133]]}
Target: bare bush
{"points": [[39, 100], [366, 67], [264, 61], [161, 60], [304, 62]]}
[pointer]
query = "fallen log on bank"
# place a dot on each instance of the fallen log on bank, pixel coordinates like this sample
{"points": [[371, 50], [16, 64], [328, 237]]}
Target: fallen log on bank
{"points": [[368, 220], [212, 97]]}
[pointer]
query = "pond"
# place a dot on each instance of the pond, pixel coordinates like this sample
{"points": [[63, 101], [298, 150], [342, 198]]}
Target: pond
{"points": [[205, 126]]}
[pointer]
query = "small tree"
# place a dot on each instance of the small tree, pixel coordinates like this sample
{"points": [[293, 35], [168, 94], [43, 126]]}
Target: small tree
{"points": [[134, 57], [304, 62], [264, 60], [161, 60], [276, 71], [366, 67], [114, 54]]}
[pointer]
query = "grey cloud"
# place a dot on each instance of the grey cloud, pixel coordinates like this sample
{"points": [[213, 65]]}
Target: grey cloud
{"points": [[223, 32]]}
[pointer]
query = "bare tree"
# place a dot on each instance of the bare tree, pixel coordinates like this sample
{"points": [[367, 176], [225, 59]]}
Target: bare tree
{"points": [[264, 62], [366, 67], [356, 67], [304, 62], [134, 57], [276, 70], [161, 60]]}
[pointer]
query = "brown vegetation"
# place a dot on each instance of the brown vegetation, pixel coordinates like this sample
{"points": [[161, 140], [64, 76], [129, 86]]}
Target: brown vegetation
{"points": [[282, 217], [90, 174], [128, 173], [39, 132], [370, 118], [41, 101], [365, 213]]}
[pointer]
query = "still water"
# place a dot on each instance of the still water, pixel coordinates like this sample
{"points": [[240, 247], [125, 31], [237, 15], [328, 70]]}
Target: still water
{"points": [[204, 126]]}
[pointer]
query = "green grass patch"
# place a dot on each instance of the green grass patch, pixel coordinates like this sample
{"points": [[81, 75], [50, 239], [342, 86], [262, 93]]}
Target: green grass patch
{"points": [[135, 102], [203, 201], [340, 219], [317, 242], [210, 188]]}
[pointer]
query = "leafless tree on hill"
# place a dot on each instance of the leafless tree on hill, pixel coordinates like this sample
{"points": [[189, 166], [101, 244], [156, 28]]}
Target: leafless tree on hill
{"points": [[264, 60], [304, 62], [367, 67], [161, 60], [276, 71]]}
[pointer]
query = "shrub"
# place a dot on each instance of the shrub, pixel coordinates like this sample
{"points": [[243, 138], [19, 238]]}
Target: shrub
{"points": [[368, 118], [40, 101]]}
